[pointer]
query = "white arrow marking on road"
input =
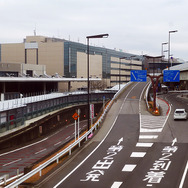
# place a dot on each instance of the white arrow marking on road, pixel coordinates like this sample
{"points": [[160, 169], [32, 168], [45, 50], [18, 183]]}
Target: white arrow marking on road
{"points": [[174, 141], [120, 140]]}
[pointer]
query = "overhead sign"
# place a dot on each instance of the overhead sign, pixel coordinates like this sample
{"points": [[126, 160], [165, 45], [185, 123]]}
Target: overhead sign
{"points": [[171, 76], [138, 76]]}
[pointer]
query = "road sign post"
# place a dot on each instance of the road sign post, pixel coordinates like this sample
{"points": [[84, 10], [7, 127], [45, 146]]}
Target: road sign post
{"points": [[75, 117], [78, 123], [91, 112]]}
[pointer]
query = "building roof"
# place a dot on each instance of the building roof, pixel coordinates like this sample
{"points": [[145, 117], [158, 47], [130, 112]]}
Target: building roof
{"points": [[31, 79], [181, 67]]}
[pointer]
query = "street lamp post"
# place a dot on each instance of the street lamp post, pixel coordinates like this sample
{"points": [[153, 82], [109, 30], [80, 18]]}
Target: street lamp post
{"points": [[169, 45], [88, 85], [162, 52], [131, 57], [120, 66], [120, 69]]}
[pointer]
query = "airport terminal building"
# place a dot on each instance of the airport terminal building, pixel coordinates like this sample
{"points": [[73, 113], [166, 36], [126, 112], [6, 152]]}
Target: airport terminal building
{"points": [[40, 56]]}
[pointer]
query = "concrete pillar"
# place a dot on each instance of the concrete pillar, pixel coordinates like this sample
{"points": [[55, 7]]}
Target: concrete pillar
{"points": [[44, 87], [3, 92], [69, 86]]}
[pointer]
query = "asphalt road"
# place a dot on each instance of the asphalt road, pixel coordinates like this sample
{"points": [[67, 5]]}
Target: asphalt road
{"points": [[14, 161], [138, 151]]}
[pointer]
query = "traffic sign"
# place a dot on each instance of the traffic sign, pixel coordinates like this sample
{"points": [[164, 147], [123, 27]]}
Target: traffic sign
{"points": [[138, 76], [91, 111], [171, 76], [75, 116]]}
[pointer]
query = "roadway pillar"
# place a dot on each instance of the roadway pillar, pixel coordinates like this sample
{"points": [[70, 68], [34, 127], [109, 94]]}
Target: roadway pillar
{"points": [[69, 86]]}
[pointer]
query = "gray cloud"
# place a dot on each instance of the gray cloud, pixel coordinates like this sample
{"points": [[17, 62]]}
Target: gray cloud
{"points": [[133, 25]]}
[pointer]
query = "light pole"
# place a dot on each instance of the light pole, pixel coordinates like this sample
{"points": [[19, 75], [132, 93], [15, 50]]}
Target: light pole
{"points": [[131, 57], [88, 107], [169, 45], [162, 52], [120, 70]]}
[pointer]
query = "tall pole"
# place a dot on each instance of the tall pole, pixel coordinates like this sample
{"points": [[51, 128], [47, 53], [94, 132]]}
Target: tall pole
{"points": [[75, 130], [162, 51], [119, 72], [169, 46], [168, 49], [120, 69], [78, 123], [88, 109], [88, 84]]}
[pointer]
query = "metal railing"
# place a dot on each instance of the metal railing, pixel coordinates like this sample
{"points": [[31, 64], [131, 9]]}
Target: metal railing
{"points": [[68, 149]]}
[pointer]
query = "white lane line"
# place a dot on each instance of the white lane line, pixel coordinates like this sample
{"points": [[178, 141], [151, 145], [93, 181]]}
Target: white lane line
{"points": [[138, 154], [87, 156], [116, 184], [67, 138], [128, 167], [40, 151], [96, 147], [23, 147], [184, 175], [144, 144], [149, 185], [12, 162], [57, 143], [148, 136]]}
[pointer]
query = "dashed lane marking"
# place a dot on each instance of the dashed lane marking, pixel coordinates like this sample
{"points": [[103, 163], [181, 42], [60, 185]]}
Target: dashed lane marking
{"points": [[138, 154], [144, 144], [57, 143], [148, 136], [116, 184], [128, 167], [40, 151], [12, 162], [68, 137]]}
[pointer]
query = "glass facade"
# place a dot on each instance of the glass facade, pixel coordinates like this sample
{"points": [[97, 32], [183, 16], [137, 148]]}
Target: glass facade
{"points": [[70, 58]]}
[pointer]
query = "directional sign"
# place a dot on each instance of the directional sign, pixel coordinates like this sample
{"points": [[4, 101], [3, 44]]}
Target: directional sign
{"points": [[138, 76], [91, 111], [75, 116], [171, 76]]}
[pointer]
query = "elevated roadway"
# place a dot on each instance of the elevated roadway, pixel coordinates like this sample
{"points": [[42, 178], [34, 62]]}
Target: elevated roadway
{"points": [[126, 152]]}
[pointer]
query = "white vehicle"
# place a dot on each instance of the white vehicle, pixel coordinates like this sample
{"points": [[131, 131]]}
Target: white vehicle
{"points": [[180, 114]]}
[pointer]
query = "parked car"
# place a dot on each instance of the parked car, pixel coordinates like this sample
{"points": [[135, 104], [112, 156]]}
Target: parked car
{"points": [[180, 114]]}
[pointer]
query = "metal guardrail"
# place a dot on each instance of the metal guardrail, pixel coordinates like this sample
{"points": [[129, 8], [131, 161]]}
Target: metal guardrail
{"points": [[68, 149]]}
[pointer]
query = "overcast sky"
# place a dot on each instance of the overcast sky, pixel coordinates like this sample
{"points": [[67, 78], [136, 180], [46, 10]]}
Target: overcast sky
{"points": [[134, 26]]}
